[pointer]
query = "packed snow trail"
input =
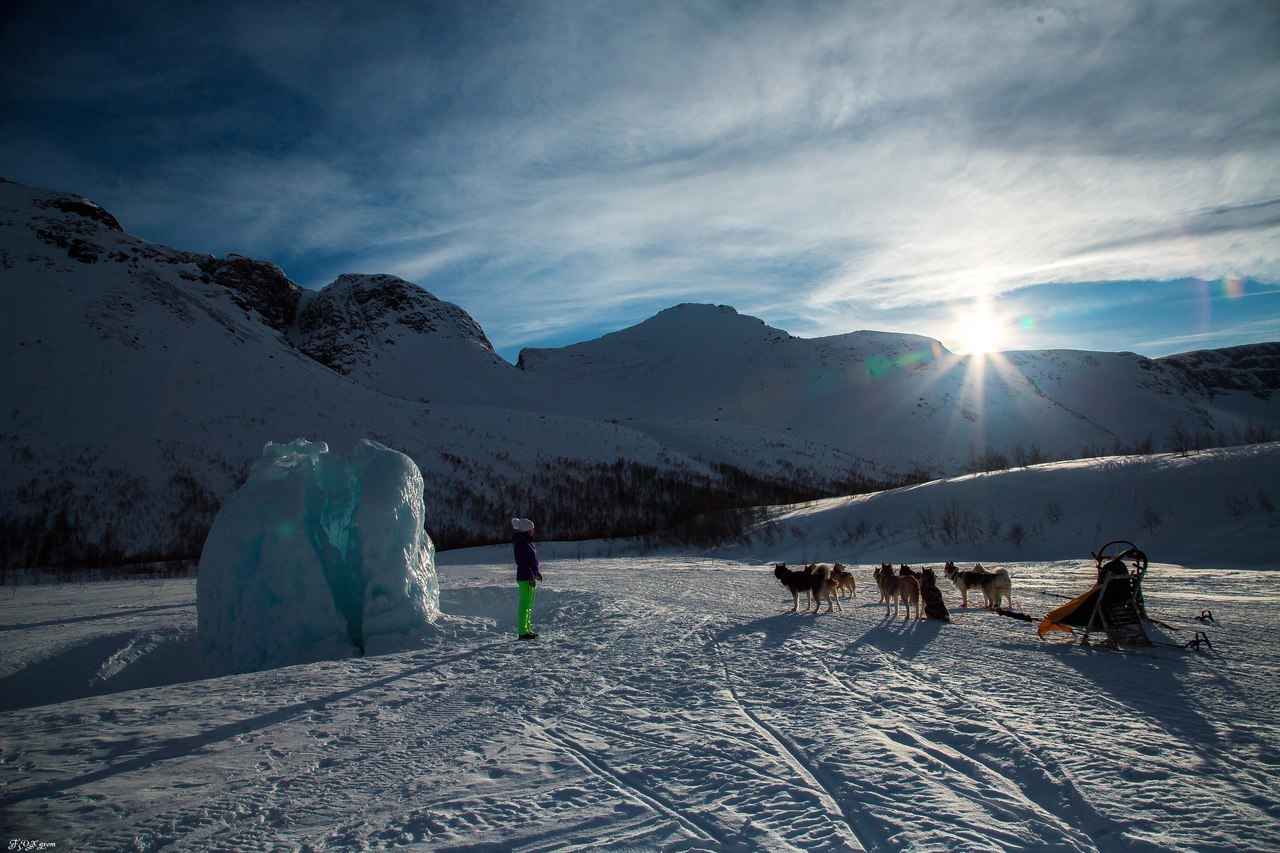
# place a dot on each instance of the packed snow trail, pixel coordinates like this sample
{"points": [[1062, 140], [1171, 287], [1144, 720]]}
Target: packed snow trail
{"points": [[673, 703]]}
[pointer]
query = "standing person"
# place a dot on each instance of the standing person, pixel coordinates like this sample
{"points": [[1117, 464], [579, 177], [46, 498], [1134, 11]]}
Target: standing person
{"points": [[527, 575]]}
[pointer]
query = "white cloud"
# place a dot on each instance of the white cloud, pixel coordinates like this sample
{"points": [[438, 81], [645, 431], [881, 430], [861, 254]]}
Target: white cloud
{"points": [[824, 165]]}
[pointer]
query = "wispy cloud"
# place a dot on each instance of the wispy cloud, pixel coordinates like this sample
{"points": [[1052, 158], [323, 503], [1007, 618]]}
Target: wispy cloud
{"points": [[1263, 215], [558, 169]]}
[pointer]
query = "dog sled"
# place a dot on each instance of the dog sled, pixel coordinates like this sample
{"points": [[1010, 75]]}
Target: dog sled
{"points": [[1113, 606]]}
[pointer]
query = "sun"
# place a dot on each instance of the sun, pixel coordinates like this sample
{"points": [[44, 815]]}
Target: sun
{"points": [[979, 331]]}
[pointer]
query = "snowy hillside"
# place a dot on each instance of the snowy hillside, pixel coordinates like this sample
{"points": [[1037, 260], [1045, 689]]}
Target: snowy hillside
{"points": [[1218, 508], [900, 400], [143, 381], [394, 337], [673, 703]]}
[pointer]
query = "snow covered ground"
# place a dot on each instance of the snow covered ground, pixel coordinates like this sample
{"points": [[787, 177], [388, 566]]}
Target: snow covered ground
{"points": [[673, 703]]}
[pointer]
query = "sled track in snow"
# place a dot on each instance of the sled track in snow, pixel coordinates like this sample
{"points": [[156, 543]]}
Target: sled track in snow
{"points": [[679, 711], [593, 763], [795, 758], [1148, 764], [376, 738], [978, 770], [874, 744]]}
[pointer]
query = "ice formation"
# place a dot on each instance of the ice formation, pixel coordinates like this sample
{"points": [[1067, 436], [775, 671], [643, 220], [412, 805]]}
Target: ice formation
{"points": [[316, 556]]}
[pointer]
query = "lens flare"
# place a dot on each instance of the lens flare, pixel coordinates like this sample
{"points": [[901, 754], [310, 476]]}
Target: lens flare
{"points": [[878, 366], [1232, 286]]}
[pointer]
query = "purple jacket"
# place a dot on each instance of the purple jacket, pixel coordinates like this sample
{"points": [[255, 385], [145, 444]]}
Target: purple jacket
{"points": [[526, 558]]}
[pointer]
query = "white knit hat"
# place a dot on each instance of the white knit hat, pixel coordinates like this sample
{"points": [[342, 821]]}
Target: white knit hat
{"points": [[522, 524]]}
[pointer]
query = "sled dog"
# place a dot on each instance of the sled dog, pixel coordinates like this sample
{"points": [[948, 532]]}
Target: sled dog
{"points": [[844, 580], [825, 585], [994, 586], [898, 588], [813, 580], [931, 597], [886, 582], [908, 593]]}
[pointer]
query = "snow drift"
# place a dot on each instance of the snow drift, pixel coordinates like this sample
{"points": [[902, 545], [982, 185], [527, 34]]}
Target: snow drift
{"points": [[1213, 509], [316, 556]]}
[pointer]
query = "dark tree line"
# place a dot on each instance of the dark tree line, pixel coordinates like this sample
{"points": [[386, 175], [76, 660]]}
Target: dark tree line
{"points": [[689, 504], [110, 519]]}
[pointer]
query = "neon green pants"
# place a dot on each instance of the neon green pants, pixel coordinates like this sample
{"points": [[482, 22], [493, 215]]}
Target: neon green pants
{"points": [[524, 615]]}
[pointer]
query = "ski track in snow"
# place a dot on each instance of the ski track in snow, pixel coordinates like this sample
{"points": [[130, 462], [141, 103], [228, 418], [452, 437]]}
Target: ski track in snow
{"points": [[673, 703]]}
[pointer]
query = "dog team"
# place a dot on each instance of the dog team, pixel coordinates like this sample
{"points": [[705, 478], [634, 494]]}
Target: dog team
{"points": [[819, 582], [906, 586]]}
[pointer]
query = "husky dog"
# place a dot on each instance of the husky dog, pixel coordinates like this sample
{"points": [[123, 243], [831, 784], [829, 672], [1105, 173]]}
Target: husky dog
{"points": [[797, 582], [844, 580], [814, 581], [886, 582], [999, 587], [898, 588], [995, 585], [908, 593], [825, 585], [931, 596]]}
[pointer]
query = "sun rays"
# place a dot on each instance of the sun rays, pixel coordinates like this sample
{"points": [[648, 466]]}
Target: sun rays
{"points": [[981, 335], [979, 330]]}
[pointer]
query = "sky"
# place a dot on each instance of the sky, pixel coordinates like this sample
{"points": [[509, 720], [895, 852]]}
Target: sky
{"points": [[996, 175]]}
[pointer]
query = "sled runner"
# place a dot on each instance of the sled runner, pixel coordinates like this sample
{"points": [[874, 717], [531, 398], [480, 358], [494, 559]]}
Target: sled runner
{"points": [[1114, 605]]}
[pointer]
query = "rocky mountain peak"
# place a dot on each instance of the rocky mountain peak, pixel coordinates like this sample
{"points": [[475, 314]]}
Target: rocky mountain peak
{"points": [[255, 285], [82, 208], [1253, 367], [703, 320], [351, 320], [70, 224], [90, 215]]}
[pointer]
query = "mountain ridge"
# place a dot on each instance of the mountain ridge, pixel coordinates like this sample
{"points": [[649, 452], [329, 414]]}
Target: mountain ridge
{"points": [[187, 364]]}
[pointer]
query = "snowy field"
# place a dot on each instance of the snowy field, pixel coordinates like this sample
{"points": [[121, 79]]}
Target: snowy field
{"points": [[673, 703]]}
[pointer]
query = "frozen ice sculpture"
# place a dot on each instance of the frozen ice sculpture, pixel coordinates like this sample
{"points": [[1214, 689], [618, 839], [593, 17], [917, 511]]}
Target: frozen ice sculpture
{"points": [[315, 557]]}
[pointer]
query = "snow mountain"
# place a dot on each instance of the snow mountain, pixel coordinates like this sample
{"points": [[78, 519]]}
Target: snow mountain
{"points": [[394, 337], [901, 401], [143, 381]]}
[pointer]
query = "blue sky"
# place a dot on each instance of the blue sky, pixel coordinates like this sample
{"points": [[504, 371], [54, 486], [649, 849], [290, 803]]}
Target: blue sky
{"points": [[1013, 174]]}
